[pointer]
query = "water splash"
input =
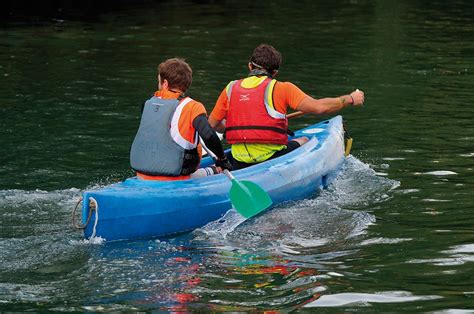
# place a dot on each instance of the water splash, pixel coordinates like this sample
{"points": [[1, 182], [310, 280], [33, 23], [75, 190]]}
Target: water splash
{"points": [[92, 240], [336, 213], [37, 237], [222, 227]]}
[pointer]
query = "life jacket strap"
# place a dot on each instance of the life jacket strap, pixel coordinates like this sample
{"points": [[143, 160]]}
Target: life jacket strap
{"points": [[259, 72], [257, 127], [190, 161]]}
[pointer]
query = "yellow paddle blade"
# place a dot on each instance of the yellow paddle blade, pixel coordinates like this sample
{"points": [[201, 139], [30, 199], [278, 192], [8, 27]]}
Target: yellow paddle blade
{"points": [[348, 146]]}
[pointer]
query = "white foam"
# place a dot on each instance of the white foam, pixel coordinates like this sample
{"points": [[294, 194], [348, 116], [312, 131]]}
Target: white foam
{"points": [[441, 173], [93, 240], [434, 200], [384, 241], [222, 227], [466, 248], [23, 197], [341, 299], [454, 260], [295, 227]]}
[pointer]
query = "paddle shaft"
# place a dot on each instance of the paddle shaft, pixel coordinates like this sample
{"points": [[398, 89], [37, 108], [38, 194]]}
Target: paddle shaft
{"points": [[214, 157], [219, 135], [295, 114]]}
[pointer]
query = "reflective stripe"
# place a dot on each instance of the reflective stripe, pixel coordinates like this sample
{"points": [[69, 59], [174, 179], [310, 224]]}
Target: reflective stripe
{"points": [[251, 118], [175, 134], [228, 90], [252, 81], [269, 102]]}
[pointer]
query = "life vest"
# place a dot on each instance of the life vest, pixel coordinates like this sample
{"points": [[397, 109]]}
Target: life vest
{"points": [[158, 148], [251, 117]]}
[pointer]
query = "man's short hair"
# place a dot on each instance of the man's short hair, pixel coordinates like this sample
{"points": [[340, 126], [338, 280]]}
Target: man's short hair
{"points": [[177, 72], [267, 57]]}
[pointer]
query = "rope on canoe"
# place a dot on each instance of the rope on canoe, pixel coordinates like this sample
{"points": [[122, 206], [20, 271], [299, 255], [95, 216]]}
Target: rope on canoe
{"points": [[74, 222], [96, 216]]}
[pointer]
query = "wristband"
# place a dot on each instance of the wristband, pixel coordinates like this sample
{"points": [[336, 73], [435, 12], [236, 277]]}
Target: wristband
{"points": [[352, 103]]}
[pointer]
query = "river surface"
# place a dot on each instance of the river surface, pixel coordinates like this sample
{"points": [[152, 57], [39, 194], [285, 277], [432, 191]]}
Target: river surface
{"points": [[394, 232]]}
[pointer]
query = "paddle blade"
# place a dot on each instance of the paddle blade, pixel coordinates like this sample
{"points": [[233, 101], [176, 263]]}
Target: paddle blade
{"points": [[248, 198]]}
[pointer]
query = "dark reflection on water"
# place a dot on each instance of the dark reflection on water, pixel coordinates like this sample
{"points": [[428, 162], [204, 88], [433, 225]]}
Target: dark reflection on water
{"points": [[394, 231]]}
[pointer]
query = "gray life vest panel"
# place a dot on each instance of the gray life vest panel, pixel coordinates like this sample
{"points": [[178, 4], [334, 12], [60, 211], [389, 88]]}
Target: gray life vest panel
{"points": [[153, 151]]}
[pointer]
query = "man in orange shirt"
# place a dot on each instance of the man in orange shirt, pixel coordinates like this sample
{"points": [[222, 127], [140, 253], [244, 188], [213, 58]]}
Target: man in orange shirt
{"points": [[252, 111], [166, 146]]}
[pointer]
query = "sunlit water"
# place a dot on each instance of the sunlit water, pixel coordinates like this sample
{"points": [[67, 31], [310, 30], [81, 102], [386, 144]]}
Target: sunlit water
{"points": [[394, 232]]}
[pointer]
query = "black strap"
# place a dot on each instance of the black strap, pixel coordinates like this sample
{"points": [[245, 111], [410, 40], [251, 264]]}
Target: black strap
{"points": [[190, 161], [181, 95], [256, 127], [260, 72]]}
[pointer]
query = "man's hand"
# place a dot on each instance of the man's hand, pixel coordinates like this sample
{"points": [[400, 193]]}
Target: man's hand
{"points": [[224, 164], [358, 97]]}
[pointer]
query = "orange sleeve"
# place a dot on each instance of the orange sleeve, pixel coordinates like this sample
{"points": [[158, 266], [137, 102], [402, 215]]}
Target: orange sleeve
{"points": [[196, 109], [189, 113], [222, 106], [287, 94]]}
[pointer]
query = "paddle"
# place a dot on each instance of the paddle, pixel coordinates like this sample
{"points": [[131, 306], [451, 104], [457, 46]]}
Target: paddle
{"points": [[247, 197], [347, 137], [219, 135], [295, 114]]}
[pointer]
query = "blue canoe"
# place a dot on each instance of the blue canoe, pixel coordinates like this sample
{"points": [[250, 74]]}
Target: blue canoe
{"points": [[136, 208]]}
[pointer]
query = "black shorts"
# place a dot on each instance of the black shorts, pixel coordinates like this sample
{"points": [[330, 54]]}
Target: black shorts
{"points": [[292, 145]]}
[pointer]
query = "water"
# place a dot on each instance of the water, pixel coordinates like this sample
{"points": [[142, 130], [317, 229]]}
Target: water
{"points": [[393, 233]]}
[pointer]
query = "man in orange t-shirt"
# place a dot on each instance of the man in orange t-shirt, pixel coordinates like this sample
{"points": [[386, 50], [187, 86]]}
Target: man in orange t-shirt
{"points": [[166, 146], [252, 111]]}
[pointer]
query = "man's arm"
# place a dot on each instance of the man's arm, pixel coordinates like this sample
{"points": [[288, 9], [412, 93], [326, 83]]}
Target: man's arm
{"points": [[330, 105], [217, 125], [218, 114], [208, 135]]}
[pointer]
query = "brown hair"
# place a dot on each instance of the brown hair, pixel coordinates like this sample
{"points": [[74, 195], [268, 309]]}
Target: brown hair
{"points": [[267, 57], [177, 72]]}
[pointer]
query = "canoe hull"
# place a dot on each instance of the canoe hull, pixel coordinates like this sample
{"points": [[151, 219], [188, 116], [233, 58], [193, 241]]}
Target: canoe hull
{"points": [[135, 208]]}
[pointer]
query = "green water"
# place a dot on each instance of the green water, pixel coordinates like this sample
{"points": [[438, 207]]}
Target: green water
{"points": [[393, 233]]}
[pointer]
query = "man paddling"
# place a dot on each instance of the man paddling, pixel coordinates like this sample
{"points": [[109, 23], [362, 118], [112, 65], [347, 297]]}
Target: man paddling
{"points": [[166, 146], [252, 110]]}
